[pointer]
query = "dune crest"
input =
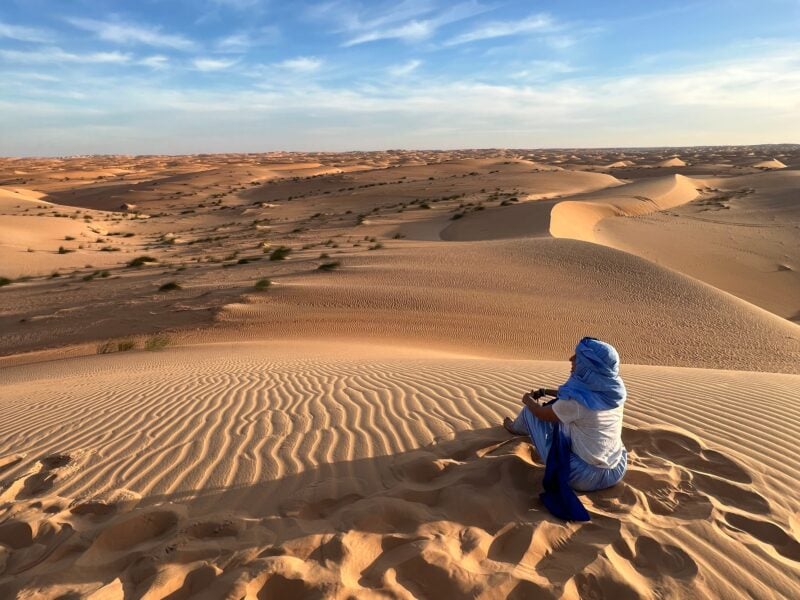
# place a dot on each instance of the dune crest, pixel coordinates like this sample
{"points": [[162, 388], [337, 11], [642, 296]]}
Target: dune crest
{"points": [[577, 218], [770, 164]]}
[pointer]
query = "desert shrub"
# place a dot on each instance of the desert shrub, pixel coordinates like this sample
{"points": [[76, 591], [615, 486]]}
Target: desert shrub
{"points": [[329, 266], [324, 256], [280, 253], [62, 250], [140, 260], [456, 216], [125, 345], [115, 346], [262, 284], [109, 249], [425, 205], [170, 286], [376, 246], [68, 238], [4, 281], [157, 342]]}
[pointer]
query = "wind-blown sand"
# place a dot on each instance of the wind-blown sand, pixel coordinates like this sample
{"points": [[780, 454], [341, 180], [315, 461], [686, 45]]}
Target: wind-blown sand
{"points": [[336, 435]]}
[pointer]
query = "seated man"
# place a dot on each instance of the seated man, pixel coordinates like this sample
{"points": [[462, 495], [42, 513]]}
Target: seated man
{"points": [[589, 407]]}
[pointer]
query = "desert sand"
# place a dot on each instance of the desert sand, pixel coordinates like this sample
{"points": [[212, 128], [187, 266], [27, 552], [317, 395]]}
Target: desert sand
{"points": [[326, 425]]}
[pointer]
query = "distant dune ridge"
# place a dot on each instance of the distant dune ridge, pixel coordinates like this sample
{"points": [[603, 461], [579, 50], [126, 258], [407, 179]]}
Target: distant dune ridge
{"points": [[334, 432]]}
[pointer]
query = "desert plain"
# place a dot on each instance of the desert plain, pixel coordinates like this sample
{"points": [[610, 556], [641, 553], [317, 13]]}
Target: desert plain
{"points": [[283, 375]]}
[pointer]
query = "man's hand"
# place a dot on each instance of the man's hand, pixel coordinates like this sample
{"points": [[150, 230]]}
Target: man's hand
{"points": [[530, 399], [544, 413]]}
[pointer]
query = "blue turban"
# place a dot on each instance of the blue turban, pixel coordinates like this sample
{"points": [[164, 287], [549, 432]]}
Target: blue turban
{"points": [[596, 382]]}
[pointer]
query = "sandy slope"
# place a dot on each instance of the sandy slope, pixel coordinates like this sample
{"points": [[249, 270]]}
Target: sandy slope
{"points": [[743, 236], [275, 470]]}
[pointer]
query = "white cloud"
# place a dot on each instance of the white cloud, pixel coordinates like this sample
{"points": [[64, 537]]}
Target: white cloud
{"points": [[533, 24], [542, 69], [301, 64], [404, 69], [236, 42], [411, 31], [734, 101], [128, 33], [157, 61], [23, 34], [212, 64], [57, 55], [408, 20]]}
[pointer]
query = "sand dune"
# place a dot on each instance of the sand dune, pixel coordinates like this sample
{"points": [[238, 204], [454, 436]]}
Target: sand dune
{"points": [[746, 228], [334, 434], [576, 219], [672, 162], [276, 470], [770, 164]]}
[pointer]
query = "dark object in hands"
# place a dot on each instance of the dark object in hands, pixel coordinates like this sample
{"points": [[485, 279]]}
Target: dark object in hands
{"points": [[536, 394]]}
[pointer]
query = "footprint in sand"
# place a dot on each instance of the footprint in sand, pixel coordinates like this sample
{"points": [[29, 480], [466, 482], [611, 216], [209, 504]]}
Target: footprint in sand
{"points": [[766, 532], [698, 475]]}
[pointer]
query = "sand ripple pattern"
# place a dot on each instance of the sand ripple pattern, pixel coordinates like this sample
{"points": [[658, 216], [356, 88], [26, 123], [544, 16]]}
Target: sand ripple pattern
{"points": [[276, 470]]}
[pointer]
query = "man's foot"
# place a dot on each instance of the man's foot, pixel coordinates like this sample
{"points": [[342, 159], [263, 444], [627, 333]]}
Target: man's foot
{"points": [[509, 426]]}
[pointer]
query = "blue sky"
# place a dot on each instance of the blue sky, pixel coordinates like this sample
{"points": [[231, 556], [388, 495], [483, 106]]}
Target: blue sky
{"points": [[185, 76]]}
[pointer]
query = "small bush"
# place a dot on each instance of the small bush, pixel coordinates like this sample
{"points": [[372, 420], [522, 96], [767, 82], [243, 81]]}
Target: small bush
{"points": [[329, 266], [126, 345], [157, 342], [4, 281], [104, 274], [62, 250], [118, 346], [324, 256], [280, 253], [68, 238], [262, 284], [139, 261], [457, 216], [170, 286], [376, 246]]}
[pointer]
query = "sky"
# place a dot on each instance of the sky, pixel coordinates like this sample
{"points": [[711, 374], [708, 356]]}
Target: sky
{"points": [[192, 76]]}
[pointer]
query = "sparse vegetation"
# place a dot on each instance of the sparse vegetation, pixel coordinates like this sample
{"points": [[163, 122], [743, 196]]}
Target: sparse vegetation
{"points": [[116, 346], [329, 266], [68, 238], [262, 284], [376, 246], [4, 281], [457, 216], [62, 250], [157, 342], [141, 260], [170, 286], [280, 253]]}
